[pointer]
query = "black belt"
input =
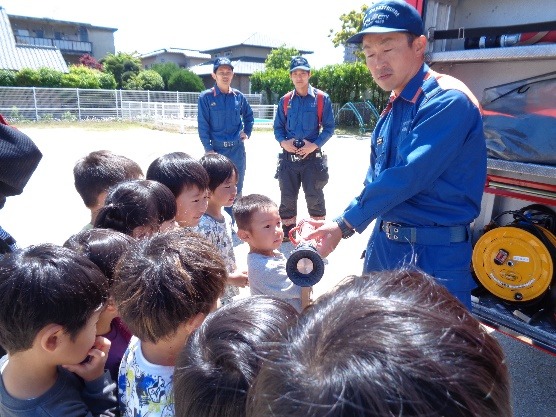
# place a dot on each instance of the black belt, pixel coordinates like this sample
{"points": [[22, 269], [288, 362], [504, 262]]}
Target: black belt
{"points": [[295, 158], [424, 235], [227, 144]]}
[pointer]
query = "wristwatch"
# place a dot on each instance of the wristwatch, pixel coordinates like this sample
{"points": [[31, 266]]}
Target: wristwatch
{"points": [[346, 230]]}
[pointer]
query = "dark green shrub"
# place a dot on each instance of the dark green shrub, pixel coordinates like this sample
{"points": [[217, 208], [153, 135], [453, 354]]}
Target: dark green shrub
{"points": [[145, 80], [27, 77], [185, 80], [166, 70], [50, 78], [7, 78]]}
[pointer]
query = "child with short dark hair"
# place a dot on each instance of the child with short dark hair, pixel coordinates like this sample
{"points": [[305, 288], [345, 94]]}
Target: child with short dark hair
{"points": [[188, 180], [105, 247], [50, 301], [222, 357], [259, 225], [96, 172], [392, 343], [165, 286], [138, 208], [216, 224]]}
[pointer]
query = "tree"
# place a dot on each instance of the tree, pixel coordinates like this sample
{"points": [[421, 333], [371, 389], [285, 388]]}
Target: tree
{"points": [[352, 23], [280, 58], [145, 80], [90, 62], [122, 66], [185, 80], [273, 82], [166, 70]]}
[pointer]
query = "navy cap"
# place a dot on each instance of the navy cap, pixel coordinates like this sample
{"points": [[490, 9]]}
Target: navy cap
{"points": [[390, 16], [218, 62], [298, 62]]}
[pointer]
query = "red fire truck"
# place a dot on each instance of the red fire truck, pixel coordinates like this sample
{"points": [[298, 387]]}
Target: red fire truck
{"points": [[505, 52]]}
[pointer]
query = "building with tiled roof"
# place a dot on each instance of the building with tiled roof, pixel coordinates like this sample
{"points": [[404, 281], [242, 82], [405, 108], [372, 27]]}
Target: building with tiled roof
{"points": [[15, 56], [184, 58], [247, 56], [71, 39]]}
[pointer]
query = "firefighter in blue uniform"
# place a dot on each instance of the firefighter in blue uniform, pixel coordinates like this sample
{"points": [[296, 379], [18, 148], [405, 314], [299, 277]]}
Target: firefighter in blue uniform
{"points": [[428, 159], [225, 118], [297, 127]]}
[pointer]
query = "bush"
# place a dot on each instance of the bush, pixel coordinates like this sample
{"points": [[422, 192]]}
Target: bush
{"points": [[81, 77], [120, 64], [185, 80], [166, 70], [145, 80], [27, 77], [50, 77], [7, 78], [107, 81]]}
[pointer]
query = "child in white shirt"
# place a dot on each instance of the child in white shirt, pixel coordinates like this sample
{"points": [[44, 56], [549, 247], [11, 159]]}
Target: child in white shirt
{"points": [[216, 224], [259, 225]]}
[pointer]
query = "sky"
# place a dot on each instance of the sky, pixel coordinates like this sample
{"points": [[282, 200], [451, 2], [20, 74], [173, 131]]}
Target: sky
{"points": [[304, 24]]}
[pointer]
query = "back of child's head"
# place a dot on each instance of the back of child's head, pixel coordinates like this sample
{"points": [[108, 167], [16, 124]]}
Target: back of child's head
{"points": [[46, 284], [246, 206], [389, 344], [136, 203], [96, 172], [222, 357], [178, 170], [102, 246], [219, 168], [165, 280]]}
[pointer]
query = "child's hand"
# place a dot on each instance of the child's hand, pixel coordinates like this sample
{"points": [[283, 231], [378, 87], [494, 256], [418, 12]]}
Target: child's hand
{"points": [[238, 279], [93, 366]]}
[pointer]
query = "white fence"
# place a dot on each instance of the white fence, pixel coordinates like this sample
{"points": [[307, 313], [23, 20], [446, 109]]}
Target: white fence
{"points": [[184, 114], [37, 103]]}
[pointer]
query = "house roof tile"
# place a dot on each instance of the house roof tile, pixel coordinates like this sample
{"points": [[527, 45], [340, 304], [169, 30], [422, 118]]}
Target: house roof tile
{"points": [[15, 57]]}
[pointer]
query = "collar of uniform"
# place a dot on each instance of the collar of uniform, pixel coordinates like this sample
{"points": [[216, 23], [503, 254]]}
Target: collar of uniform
{"points": [[216, 90], [413, 88], [310, 91]]}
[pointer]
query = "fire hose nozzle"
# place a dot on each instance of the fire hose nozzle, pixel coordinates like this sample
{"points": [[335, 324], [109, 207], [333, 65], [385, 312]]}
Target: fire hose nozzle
{"points": [[304, 266]]}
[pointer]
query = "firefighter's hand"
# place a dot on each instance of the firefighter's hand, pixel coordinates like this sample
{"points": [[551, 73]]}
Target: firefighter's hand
{"points": [[327, 236], [288, 145], [243, 135], [308, 147]]}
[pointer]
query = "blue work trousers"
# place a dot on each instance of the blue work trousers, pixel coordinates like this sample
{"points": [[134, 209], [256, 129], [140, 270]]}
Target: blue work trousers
{"points": [[449, 264]]}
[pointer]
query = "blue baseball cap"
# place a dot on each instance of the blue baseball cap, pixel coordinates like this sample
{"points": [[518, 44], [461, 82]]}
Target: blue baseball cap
{"points": [[218, 62], [390, 16], [298, 62]]}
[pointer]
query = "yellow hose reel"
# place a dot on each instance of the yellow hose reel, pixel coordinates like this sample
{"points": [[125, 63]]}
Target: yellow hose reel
{"points": [[515, 262]]}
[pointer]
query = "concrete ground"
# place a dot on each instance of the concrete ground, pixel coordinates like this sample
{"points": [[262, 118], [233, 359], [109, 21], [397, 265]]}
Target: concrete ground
{"points": [[50, 210]]}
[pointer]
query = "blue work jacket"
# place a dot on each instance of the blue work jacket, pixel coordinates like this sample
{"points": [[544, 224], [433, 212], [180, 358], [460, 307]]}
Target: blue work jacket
{"points": [[221, 117], [302, 122], [428, 157]]}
